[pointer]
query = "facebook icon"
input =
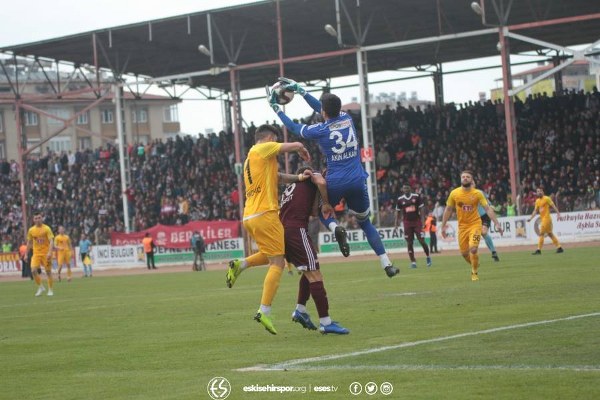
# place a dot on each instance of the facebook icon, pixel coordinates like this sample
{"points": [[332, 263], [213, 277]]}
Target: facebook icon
{"points": [[355, 388]]}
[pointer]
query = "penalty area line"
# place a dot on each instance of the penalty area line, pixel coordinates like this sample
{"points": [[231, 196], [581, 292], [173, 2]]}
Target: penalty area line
{"points": [[291, 363]]}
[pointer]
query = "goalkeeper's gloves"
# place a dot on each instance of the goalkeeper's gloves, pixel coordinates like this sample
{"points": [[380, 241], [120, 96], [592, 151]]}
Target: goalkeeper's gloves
{"points": [[272, 99], [293, 85]]}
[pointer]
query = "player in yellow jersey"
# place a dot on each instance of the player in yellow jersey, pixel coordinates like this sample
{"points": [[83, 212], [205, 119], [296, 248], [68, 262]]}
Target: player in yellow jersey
{"points": [[543, 204], [466, 200], [64, 252], [40, 238], [261, 211]]}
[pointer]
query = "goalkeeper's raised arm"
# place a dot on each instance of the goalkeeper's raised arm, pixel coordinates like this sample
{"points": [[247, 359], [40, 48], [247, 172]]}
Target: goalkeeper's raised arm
{"points": [[294, 86]]}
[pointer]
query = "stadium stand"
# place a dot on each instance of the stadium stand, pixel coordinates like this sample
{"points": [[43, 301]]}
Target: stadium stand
{"points": [[187, 178]]}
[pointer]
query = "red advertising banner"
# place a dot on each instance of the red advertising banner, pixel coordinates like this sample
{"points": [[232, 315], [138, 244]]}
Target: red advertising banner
{"points": [[178, 236], [10, 262]]}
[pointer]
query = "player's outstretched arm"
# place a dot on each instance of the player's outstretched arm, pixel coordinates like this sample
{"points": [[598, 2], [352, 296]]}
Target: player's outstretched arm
{"points": [[291, 178], [297, 147], [291, 84], [556, 209], [492, 214], [447, 213], [292, 126], [535, 210]]}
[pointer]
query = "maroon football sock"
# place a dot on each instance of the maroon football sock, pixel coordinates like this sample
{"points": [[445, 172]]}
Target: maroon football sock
{"points": [[319, 295], [303, 290], [411, 250]]}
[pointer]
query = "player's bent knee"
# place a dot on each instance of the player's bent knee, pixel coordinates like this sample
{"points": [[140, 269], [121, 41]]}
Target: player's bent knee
{"points": [[277, 260], [473, 250], [362, 216], [313, 276]]}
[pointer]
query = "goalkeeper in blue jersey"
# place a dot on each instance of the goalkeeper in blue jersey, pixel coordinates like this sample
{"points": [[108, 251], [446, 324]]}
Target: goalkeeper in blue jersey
{"points": [[486, 222], [346, 176]]}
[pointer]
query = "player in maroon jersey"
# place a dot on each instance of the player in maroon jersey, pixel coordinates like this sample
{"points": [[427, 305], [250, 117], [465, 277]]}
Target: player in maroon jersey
{"points": [[410, 205], [298, 202]]}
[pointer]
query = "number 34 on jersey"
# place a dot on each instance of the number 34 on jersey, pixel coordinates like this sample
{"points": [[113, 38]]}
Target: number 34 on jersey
{"points": [[343, 149]]}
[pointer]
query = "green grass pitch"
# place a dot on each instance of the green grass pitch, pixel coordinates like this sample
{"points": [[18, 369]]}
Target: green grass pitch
{"points": [[164, 336]]}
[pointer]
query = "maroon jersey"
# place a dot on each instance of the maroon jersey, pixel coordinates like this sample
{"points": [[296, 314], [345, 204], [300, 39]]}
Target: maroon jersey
{"points": [[410, 205], [297, 203]]}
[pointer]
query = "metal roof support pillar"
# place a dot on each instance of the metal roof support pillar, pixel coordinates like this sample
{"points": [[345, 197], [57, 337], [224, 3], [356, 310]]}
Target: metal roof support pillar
{"points": [[282, 73], [22, 164], [558, 82], [509, 117], [118, 92], [237, 118], [438, 85], [367, 132]]}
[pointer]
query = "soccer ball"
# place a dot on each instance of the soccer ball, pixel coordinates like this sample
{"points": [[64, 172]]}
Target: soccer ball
{"points": [[282, 95]]}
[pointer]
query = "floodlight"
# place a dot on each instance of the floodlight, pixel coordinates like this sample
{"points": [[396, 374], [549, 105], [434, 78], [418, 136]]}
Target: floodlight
{"points": [[331, 30], [204, 50], [476, 8]]}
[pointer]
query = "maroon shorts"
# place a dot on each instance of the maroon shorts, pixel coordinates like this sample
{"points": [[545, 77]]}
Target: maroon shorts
{"points": [[412, 229], [299, 249]]}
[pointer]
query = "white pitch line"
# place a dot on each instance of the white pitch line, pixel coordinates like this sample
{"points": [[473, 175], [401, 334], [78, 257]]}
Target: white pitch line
{"points": [[416, 367], [287, 364]]}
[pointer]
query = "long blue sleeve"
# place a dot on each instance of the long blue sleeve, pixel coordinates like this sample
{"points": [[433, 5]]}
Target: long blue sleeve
{"points": [[291, 125], [313, 102]]}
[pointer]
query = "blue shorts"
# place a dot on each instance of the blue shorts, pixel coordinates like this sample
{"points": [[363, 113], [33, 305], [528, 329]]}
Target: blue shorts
{"points": [[355, 193]]}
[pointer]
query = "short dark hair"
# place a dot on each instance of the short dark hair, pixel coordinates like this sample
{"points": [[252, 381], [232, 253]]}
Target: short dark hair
{"points": [[264, 130], [303, 168], [331, 104], [468, 171]]}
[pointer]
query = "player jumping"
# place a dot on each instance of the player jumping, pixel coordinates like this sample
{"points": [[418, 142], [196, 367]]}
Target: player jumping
{"points": [[346, 177]]}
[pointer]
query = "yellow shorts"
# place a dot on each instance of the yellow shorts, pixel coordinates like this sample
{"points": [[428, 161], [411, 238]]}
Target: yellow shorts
{"points": [[63, 257], [267, 231], [545, 226], [468, 237], [41, 260]]}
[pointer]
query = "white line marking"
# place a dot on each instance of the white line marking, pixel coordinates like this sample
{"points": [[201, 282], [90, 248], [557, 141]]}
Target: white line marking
{"points": [[287, 364], [409, 367]]}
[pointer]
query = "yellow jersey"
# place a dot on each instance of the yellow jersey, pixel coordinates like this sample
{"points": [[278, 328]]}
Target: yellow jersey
{"points": [[260, 178], [41, 237], [62, 243], [543, 205], [466, 203]]}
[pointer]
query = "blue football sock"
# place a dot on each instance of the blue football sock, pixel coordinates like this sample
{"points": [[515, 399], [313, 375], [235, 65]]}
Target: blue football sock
{"points": [[328, 221], [489, 243], [372, 236]]}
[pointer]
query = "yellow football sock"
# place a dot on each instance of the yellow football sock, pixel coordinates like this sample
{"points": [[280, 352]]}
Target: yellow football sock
{"points": [[69, 273], [467, 259], [540, 242], [257, 259], [474, 262], [50, 282], [37, 279], [271, 285], [554, 240]]}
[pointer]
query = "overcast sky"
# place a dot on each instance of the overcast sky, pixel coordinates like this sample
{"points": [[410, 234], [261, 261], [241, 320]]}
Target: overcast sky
{"points": [[54, 18]]}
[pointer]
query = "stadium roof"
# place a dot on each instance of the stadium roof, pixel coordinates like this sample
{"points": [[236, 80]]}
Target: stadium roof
{"points": [[247, 35]]}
